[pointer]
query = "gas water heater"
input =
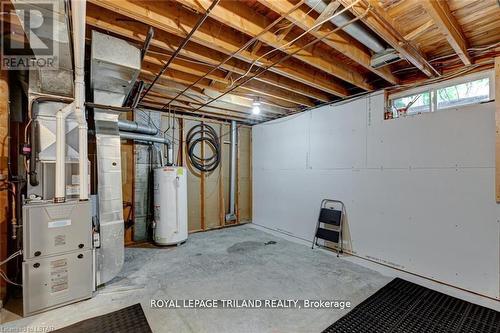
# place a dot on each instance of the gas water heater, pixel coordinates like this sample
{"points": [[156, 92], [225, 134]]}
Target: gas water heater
{"points": [[170, 205]]}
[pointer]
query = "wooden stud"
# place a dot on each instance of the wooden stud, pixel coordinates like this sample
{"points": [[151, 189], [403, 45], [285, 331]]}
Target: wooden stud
{"points": [[497, 122]]}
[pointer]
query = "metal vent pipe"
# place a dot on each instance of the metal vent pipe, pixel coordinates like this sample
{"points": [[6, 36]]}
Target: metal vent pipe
{"points": [[231, 216], [132, 126], [355, 30]]}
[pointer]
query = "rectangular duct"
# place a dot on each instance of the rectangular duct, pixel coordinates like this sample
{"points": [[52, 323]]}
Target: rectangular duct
{"points": [[115, 67]]}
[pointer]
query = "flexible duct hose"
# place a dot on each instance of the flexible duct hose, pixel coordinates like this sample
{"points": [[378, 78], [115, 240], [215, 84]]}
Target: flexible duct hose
{"points": [[203, 133]]}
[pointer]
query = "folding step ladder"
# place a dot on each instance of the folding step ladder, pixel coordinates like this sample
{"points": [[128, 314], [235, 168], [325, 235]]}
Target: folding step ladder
{"points": [[334, 219]]}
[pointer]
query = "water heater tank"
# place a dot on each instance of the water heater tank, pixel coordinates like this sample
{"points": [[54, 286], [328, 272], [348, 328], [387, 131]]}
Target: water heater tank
{"points": [[170, 205]]}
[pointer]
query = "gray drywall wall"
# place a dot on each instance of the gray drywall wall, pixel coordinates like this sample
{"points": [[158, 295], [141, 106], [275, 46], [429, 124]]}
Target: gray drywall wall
{"points": [[419, 190]]}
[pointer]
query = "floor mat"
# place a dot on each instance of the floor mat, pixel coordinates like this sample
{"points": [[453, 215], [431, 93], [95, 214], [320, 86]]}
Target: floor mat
{"points": [[404, 307], [130, 319]]}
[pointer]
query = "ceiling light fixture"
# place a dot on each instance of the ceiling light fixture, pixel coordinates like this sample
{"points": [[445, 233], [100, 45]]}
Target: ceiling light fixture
{"points": [[256, 106]]}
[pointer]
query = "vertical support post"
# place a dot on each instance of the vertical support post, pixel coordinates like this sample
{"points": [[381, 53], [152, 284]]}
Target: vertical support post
{"points": [[4, 170], [231, 216], [497, 122], [202, 185]]}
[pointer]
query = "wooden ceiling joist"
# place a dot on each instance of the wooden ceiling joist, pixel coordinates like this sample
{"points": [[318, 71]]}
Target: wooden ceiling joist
{"points": [[172, 76], [167, 95], [236, 15], [175, 21], [419, 31], [259, 88], [448, 25], [383, 25], [287, 55], [164, 41], [191, 111], [336, 40]]}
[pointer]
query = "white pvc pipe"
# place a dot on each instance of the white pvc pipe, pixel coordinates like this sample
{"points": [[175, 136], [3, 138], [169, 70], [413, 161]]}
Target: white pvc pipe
{"points": [[61, 115], [78, 12]]}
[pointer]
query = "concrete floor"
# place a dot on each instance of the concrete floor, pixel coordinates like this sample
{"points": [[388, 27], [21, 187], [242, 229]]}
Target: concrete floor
{"points": [[233, 263]]}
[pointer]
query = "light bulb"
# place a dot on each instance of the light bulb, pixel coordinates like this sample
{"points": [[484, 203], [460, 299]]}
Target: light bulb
{"points": [[256, 107]]}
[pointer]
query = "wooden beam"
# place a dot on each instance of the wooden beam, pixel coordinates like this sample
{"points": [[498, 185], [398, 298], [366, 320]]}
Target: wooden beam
{"points": [[167, 88], [338, 41], [187, 110], [384, 26], [497, 121], [237, 15], [176, 22], [162, 93], [148, 72], [229, 102], [328, 11], [256, 87], [419, 31], [448, 25]]}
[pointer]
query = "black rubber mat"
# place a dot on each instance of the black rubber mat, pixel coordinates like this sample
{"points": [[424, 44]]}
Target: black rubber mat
{"points": [[131, 319], [404, 307]]}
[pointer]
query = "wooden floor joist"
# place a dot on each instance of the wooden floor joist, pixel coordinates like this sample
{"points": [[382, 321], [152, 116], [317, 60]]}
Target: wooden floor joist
{"points": [[444, 19], [382, 24], [235, 15], [328, 62], [177, 22], [338, 41]]}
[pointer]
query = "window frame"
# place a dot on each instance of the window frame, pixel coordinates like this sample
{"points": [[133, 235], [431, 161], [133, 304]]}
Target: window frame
{"points": [[432, 89]]}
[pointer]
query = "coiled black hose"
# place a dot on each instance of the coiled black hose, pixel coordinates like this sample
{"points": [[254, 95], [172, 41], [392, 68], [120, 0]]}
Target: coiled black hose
{"points": [[203, 133]]}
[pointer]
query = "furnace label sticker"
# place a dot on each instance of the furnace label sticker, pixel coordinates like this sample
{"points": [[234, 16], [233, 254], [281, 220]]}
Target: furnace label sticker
{"points": [[60, 240], [58, 275], [59, 223]]}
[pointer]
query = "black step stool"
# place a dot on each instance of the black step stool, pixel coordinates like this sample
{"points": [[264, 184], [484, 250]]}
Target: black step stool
{"points": [[332, 217]]}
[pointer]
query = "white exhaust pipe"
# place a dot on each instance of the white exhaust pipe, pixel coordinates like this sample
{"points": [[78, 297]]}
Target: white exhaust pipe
{"points": [[60, 195], [78, 12]]}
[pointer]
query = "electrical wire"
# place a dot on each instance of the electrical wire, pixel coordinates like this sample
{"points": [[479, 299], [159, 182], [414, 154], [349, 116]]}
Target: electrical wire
{"points": [[12, 256], [6, 278], [203, 134], [181, 46], [247, 44], [290, 55], [288, 44], [3, 274]]}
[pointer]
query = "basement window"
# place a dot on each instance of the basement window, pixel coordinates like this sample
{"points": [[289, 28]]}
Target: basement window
{"points": [[462, 94], [474, 89], [412, 104]]}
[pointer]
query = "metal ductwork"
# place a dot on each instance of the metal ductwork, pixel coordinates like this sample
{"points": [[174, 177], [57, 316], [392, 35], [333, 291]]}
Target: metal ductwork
{"points": [[144, 138], [115, 65], [151, 139], [358, 32], [133, 126]]}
